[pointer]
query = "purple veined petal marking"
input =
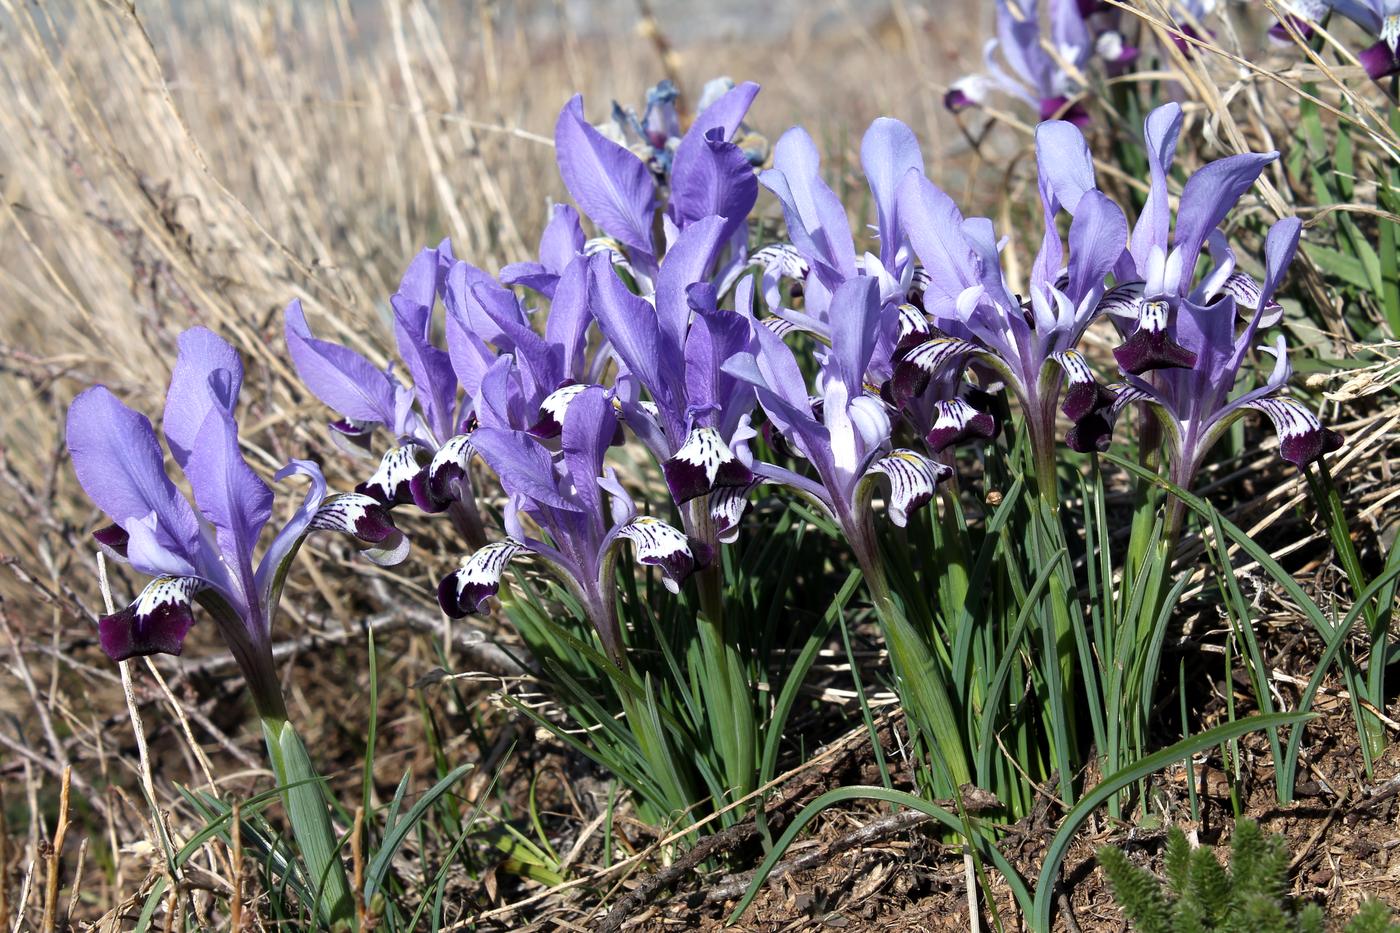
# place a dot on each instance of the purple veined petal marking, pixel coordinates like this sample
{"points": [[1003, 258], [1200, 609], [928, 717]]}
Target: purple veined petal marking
{"points": [[1302, 438], [356, 514], [552, 409], [156, 623], [913, 479], [1246, 292], [392, 483], [779, 326], [464, 591], [1084, 395], [1150, 346], [957, 421], [782, 260], [919, 281], [727, 507], [449, 465], [928, 359], [914, 327], [1094, 432], [662, 546], [703, 462], [1122, 301]]}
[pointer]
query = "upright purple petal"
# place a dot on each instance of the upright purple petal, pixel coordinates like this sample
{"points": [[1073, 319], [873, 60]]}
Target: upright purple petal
{"points": [[434, 381], [119, 465], [1160, 129], [686, 263], [341, 378], [855, 312], [1064, 162], [290, 535], [1209, 196], [562, 239], [725, 114], [888, 152], [934, 225], [718, 180], [231, 496], [208, 374], [1098, 236], [816, 220], [612, 186], [589, 428], [631, 325], [569, 317]]}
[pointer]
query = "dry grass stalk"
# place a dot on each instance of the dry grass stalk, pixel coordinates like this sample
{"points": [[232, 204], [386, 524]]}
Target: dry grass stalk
{"points": [[54, 868]]}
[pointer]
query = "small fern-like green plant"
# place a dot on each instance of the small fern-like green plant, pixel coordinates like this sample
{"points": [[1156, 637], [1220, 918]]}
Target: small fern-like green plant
{"points": [[1200, 894]]}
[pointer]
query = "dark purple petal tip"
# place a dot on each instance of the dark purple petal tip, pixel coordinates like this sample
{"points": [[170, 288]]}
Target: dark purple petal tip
{"points": [[1060, 108], [1083, 398], [662, 546], [1152, 349], [703, 463], [957, 100], [156, 623], [958, 422], [357, 514], [1379, 60], [466, 590], [112, 539]]}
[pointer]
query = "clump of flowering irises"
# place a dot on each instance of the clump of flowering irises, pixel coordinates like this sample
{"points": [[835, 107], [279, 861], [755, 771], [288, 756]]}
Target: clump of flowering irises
{"points": [[656, 368], [1051, 62]]}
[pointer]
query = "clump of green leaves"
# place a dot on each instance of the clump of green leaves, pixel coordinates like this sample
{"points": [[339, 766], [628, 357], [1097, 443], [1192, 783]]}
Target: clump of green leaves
{"points": [[1201, 894]]}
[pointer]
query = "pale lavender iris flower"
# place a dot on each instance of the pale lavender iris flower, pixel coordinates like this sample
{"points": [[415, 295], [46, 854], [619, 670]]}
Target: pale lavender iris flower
{"points": [[203, 552], [577, 514], [1183, 349], [842, 429]]}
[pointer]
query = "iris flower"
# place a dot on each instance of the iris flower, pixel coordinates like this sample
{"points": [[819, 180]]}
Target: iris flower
{"points": [[1029, 344], [672, 346], [204, 551], [1031, 73], [709, 175], [1380, 18], [845, 436], [580, 511], [1182, 353]]}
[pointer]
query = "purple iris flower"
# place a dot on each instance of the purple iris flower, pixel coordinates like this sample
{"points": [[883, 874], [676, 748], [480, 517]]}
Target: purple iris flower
{"points": [[845, 433], [1031, 73], [709, 175], [655, 134], [1027, 344], [821, 237], [672, 347], [1301, 15], [1380, 18], [422, 418], [560, 243], [580, 509], [1182, 353], [204, 551]]}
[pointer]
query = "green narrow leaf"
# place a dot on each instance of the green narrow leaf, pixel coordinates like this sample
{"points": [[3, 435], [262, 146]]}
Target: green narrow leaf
{"points": [[379, 865], [1111, 785]]}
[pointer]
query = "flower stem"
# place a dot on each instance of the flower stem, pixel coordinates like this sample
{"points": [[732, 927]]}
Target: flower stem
{"points": [[305, 802], [922, 683], [726, 680]]}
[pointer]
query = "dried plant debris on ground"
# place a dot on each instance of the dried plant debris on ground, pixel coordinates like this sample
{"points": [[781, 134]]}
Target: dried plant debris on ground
{"points": [[169, 165]]}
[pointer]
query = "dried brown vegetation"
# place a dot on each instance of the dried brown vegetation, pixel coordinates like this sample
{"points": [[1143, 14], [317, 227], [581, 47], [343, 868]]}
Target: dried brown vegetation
{"points": [[171, 164]]}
